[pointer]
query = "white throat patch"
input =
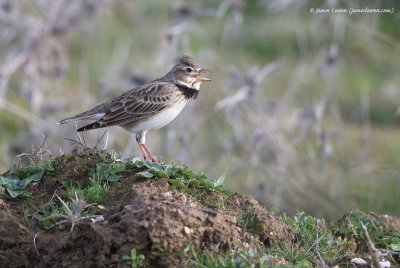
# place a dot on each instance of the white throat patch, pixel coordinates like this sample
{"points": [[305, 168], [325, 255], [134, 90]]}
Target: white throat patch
{"points": [[196, 85]]}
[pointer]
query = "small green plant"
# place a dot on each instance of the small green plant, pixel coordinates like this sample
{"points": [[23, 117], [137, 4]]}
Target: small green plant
{"points": [[104, 156], [42, 215], [135, 259], [15, 181], [16, 187], [48, 167], [181, 178], [110, 157], [71, 212], [107, 172]]}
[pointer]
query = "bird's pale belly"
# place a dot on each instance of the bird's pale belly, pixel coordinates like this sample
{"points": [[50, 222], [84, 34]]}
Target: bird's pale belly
{"points": [[158, 120]]}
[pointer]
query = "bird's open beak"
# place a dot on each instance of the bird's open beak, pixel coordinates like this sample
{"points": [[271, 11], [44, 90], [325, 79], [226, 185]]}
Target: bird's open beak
{"points": [[200, 78]]}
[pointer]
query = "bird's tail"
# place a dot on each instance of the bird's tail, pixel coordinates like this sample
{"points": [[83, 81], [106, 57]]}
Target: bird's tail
{"points": [[89, 127], [66, 120], [82, 116]]}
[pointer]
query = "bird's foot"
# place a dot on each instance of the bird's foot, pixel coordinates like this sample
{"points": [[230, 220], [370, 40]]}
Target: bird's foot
{"points": [[146, 153], [152, 157]]}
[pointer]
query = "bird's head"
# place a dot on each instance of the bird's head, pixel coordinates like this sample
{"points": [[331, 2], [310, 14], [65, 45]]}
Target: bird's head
{"points": [[188, 73]]}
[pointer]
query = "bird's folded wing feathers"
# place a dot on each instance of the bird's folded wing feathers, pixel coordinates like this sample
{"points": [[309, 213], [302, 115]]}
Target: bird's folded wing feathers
{"points": [[138, 104]]}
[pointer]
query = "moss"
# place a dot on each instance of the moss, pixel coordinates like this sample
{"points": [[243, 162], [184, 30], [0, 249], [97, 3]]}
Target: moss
{"points": [[68, 157]]}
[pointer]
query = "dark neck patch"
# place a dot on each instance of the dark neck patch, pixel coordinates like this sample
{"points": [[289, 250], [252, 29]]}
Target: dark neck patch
{"points": [[188, 92]]}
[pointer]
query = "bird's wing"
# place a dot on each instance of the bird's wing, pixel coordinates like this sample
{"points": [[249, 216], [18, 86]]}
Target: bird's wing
{"points": [[138, 103]]}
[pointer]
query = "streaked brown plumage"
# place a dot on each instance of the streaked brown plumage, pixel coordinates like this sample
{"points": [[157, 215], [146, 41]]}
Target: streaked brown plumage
{"points": [[150, 106]]}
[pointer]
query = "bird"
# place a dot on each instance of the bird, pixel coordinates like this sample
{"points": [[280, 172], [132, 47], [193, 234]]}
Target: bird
{"points": [[150, 106]]}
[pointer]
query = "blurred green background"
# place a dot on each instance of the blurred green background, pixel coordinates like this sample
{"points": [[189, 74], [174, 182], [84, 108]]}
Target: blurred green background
{"points": [[301, 112]]}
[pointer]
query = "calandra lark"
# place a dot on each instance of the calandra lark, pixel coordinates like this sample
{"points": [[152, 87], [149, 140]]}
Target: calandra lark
{"points": [[150, 106]]}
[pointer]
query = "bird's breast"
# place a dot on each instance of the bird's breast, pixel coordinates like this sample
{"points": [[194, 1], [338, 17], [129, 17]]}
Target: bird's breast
{"points": [[158, 120]]}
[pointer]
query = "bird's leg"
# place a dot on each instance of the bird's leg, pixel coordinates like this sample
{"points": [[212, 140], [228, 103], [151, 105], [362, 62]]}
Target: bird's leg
{"points": [[143, 152], [153, 158], [140, 139]]}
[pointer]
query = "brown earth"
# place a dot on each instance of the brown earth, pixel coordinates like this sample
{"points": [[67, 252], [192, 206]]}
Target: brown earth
{"points": [[142, 214]]}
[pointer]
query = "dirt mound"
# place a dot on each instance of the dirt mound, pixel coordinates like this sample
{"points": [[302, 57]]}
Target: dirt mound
{"points": [[95, 209], [15, 239], [157, 210]]}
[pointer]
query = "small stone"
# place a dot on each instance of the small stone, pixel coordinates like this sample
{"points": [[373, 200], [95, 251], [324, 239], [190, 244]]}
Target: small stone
{"points": [[184, 199], [98, 218], [187, 230], [358, 261], [281, 261], [321, 224], [384, 264], [162, 183]]}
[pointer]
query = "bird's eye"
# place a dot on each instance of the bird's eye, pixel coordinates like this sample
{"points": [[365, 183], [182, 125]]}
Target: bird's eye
{"points": [[188, 69]]}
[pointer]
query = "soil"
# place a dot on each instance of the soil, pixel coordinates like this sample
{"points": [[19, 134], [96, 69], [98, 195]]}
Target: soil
{"points": [[144, 214]]}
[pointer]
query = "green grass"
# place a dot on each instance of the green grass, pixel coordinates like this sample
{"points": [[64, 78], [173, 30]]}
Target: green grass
{"points": [[313, 242], [249, 220], [382, 235], [238, 258], [216, 203], [94, 192], [99, 182]]}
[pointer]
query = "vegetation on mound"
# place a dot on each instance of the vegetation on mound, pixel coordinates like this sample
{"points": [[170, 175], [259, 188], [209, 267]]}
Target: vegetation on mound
{"points": [[90, 187], [385, 235], [16, 180]]}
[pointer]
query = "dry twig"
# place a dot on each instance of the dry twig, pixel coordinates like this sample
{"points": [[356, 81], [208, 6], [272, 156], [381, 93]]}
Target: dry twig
{"points": [[371, 246]]}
